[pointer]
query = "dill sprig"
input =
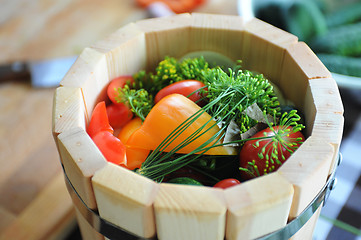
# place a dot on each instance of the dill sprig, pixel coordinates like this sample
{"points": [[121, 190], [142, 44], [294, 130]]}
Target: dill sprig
{"points": [[139, 100], [248, 89], [287, 125]]}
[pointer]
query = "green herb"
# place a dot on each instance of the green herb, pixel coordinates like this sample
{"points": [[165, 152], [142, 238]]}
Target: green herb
{"points": [[287, 125], [139, 100], [247, 89]]}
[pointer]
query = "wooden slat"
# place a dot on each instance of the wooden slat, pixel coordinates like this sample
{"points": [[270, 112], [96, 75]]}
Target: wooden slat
{"points": [[125, 50], [329, 126], [322, 96], [81, 159], [87, 231], [306, 232], [258, 207], [126, 199], [36, 222], [307, 169], [326, 96], [300, 65], [190, 212], [68, 110], [90, 74], [263, 48], [168, 36], [213, 33]]}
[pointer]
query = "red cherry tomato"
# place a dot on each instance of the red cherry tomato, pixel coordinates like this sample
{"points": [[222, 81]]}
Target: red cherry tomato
{"points": [[184, 87], [119, 114], [268, 154], [99, 120], [226, 183], [111, 147], [116, 83]]}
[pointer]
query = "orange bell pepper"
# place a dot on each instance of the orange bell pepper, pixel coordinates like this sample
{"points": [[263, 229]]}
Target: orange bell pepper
{"points": [[135, 157], [166, 116]]}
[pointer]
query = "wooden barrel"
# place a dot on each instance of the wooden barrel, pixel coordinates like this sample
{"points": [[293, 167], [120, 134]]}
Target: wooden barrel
{"points": [[147, 209]]}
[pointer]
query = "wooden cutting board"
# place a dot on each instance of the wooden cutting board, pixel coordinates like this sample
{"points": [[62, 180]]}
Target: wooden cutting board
{"points": [[34, 202]]}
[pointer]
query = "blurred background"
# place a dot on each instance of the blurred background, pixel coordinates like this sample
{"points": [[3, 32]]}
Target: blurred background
{"points": [[34, 203]]}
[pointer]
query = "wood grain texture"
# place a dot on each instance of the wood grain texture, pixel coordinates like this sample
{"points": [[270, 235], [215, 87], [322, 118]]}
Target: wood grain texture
{"points": [[325, 94], [68, 110], [29, 163], [36, 222], [41, 29], [190, 212], [124, 50], [81, 159], [329, 126], [306, 232], [258, 206], [307, 169], [90, 74], [126, 199], [167, 36], [263, 48], [87, 231], [300, 65], [322, 96], [213, 33]]}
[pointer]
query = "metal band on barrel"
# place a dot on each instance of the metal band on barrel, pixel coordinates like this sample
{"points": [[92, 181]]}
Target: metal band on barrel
{"points": [[114, 232]]}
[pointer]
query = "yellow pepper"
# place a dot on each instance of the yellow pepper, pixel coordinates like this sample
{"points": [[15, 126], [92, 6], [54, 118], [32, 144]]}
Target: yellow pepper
{"points": [[166, 116]]}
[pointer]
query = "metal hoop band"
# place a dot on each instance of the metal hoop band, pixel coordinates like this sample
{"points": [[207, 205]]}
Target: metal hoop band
{"points": [[114, 232]]}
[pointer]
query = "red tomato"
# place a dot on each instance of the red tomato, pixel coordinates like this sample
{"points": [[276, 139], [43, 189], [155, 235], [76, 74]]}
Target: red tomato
{"points": [[116, 83], [119, 114], [111, 147], [268, 154], [226, 183], [184, 87], [99, 120]]}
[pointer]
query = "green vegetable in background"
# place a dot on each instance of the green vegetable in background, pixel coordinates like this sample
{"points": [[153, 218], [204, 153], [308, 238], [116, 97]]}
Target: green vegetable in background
{"points": [[344, 40], [342, 64], [346, 15], [305, 20]]}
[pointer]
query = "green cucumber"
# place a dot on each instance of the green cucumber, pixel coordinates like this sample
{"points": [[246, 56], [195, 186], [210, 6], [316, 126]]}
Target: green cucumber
{"points": [[348, 14], [340, 64], [344, 40], [185, 180], [305, 20]]}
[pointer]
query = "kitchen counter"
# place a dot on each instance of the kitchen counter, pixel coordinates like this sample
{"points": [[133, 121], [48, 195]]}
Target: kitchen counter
{"points": [[34, 202]]}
